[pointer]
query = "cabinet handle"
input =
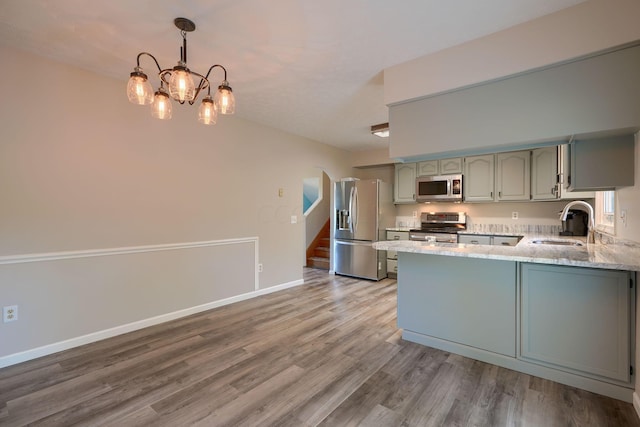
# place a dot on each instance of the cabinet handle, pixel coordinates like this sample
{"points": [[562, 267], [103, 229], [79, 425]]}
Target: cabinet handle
{"points": [[499, 194], [506, 244], [491, 195], [396, 237], [475, 242], [414, 197]]}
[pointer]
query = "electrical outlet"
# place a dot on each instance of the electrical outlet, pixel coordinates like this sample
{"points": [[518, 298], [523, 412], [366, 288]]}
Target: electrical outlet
{"points": [[514, 215], [259, 268], [415, 214], [10, 313], [294, 219], [623, 217]]}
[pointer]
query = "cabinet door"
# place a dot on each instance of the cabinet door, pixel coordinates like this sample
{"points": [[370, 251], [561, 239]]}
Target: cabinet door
{"points": [[405, 185], [602, 164], [449, 166], [469, 301], [577, 319], [544, 173], [428, 168], [478, 178], [564, 157], [513, 177], [392, 266]]}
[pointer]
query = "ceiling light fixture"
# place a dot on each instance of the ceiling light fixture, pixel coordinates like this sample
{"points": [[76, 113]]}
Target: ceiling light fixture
{"points": [[381, 130], [180, 81]]}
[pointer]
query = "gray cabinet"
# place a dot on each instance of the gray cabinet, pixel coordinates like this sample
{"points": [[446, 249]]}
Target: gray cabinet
{"points": [[440, 167], [405, 183], [449, 166], [487, 239], [479, 178], [513, 176], [602, 164], [544, 173], [392, 256], [461, 300], [564, 163], [577, 319], [428, 168]]}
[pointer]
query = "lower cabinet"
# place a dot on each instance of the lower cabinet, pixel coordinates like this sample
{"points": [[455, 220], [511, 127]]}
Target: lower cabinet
{"points": [[574, 325], [392, 256], [462, 300], [577, 319], [483, 239]]}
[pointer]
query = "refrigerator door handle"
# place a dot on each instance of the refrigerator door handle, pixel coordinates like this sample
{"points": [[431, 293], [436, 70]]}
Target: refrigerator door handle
{"points": [[352, 228], [355, 209]]}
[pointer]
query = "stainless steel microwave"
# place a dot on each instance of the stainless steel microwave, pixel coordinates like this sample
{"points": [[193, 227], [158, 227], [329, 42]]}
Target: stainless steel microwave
{"points": [[443, 188]]}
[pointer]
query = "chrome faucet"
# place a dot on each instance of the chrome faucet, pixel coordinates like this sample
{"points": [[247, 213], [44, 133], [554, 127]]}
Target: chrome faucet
{"points": [[591, 227]]}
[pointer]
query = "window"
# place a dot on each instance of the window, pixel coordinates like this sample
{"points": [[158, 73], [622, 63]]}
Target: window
{"points": [[606, 211]]}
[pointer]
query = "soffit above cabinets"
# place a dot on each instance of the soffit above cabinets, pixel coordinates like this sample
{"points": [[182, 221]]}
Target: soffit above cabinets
{"points": [[587, 97]]}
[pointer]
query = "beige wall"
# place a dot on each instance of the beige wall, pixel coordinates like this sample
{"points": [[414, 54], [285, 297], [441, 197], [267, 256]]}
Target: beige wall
{"points": [[82, 169]]}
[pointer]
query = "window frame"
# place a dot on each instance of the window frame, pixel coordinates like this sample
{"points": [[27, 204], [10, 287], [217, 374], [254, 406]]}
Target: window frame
{"points": [[605, 211]]}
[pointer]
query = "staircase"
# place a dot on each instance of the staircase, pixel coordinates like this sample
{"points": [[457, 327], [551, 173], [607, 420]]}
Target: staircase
{"points": [[319, 252]]}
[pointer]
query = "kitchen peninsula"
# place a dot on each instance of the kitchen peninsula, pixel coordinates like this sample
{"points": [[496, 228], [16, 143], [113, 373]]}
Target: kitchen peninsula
{"points": [[564, 312]]}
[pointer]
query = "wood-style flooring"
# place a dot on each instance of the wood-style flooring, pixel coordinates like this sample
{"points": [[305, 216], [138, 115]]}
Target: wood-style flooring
{"points": [[326, 353]]}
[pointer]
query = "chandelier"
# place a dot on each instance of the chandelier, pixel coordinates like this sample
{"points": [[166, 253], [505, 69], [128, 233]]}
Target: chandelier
{"points": [[181, 85]]}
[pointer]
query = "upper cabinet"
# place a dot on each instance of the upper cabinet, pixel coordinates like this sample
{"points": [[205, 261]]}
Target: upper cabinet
{"points": [[405, 183], [513, 176], [449, 166], [440, 167], [428, 168], [564, 166], [601, 164], [478, 178], [547, 173], [544, 173]]}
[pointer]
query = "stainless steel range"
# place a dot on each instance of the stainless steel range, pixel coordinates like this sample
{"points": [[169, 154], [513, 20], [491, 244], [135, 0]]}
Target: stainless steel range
{"points": [[439, 227]]}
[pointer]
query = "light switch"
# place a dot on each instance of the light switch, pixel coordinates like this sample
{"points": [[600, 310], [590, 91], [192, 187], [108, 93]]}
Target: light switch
{"points": [[294, 219], [280, 192]]}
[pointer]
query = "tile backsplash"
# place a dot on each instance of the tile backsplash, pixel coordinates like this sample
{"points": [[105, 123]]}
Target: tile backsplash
{"points": [[407, 222], [537, 229], [533, 227]]}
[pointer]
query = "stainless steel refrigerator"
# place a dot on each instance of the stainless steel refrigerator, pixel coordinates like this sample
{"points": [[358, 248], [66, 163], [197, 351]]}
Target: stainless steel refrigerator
{"points": [[363, 210]]}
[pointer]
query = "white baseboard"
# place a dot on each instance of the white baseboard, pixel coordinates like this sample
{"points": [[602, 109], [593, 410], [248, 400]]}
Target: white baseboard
{"points": [[636, 403], [45, 350]]}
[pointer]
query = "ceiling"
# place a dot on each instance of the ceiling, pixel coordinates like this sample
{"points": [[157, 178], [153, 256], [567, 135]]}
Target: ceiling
{"points": [[309, 67]]}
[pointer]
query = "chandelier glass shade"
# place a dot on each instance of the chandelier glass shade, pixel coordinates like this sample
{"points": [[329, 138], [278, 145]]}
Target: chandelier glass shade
{"points": [[181, 84], [161, 107], [207, 113]]}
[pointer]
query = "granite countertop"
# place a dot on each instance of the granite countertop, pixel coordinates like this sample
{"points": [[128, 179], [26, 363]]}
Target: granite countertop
{"points": [[398, 228], [595, 255]]}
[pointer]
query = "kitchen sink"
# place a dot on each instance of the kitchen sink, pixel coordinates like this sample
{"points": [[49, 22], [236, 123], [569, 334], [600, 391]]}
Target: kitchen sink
{"points": [[557, 242]]}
